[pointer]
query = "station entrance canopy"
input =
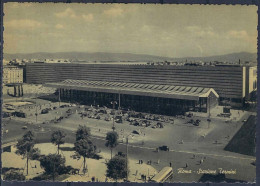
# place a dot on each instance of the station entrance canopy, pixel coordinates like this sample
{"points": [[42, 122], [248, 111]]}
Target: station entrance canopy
{"points": [[153, 90]]}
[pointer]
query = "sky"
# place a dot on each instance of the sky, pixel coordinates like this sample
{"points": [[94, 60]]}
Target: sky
{"points": [[162, 30]]}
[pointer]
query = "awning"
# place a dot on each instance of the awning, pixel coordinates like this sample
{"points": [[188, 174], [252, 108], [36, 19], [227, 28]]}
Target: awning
{"points": [[153, 90]]}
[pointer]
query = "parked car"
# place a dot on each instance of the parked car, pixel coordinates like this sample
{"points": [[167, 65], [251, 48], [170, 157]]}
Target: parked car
{"points": [[45, 111], [24, 127], [135, 132], [118, 119], [197, 122], [164, 148], [189, 115], [159, 125], [19, 114], [69, 111]]}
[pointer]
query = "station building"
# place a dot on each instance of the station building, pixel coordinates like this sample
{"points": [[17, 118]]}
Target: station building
{"points": [[155, 86], [151, 98]]}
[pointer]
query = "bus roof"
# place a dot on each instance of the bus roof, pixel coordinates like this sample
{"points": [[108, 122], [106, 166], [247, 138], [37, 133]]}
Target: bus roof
{"points": [[162, 174]]}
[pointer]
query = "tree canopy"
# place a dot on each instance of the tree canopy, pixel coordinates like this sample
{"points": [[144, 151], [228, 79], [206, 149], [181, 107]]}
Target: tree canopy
{"points": [[117, 168], [57, 138], [25, 144], [83, 132], [14, 176], [52, 163], [111, 140], [83, 145], [25, 147], [85, 148]]}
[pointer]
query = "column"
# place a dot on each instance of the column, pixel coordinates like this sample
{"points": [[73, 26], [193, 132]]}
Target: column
{"points": [[119, 104], [19, 92], [22, 89], [14, 91]]}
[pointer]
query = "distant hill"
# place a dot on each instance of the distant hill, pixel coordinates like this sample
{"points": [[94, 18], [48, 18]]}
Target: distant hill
{"points": [[234, 57], [128, 57]]}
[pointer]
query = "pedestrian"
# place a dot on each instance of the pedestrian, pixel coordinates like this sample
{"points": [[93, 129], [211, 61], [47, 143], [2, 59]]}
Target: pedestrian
{"points": [[170, 164], [186, 165], [158, 161]]}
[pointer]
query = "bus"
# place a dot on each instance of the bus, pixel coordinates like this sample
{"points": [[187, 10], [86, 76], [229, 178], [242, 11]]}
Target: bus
{"points": [[163, 175]]}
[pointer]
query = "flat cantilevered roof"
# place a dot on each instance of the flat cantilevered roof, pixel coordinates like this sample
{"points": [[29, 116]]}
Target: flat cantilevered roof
{"points": [[154, 90]]}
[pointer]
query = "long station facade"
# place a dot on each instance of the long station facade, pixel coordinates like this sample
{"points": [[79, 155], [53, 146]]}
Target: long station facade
{"points": [[151, 88]]}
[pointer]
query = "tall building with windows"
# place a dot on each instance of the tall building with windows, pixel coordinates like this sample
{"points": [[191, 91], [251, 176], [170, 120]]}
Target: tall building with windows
{"points": [[231, 82], [12, 74]]}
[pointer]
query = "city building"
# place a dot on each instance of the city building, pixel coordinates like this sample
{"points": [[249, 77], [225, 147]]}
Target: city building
{"points": [[152, 98], [12, 74], [231, 83]]}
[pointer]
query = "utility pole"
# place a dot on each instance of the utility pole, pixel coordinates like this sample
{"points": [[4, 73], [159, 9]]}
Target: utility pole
{"points": [[59, 97], [127, 158], [36, 114], [119, 101], [113, 103], [209, 106], [209, 120], [27, 164]]}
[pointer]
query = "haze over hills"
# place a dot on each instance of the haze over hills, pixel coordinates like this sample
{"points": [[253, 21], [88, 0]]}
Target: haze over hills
{"points": [[128, 57]]}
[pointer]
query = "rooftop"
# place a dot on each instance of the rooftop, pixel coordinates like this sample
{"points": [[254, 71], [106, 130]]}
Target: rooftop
{"points": [[153, 90]]}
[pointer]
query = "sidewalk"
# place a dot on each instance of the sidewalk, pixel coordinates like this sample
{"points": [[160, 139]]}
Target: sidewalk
{"points": [[236, 115]]}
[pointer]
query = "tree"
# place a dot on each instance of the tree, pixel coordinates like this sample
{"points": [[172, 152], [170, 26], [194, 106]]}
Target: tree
{"points": [[83, 132], [25, 147], [14, 175], [57, 138], [53, 164], [112, 141], [83, 145], [117, 168]]}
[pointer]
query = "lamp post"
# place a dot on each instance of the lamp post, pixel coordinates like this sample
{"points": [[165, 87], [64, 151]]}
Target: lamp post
{"points": [[119, 101], [59, 96], [113, 103], [209, 120], [127, 157], [36, 112]]}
